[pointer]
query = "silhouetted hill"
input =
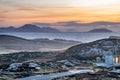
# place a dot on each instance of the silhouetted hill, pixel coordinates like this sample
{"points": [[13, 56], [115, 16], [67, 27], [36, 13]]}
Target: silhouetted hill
{"points": [[100, 30], [29, 28], [11, 39], [12, 43]]}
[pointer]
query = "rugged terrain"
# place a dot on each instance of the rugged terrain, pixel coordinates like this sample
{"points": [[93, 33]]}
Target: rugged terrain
{"points": [[27, 56], [82, 55], [92, 50]]}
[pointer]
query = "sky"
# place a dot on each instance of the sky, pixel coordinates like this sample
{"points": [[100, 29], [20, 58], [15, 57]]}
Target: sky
{"points": [[19, 12]]}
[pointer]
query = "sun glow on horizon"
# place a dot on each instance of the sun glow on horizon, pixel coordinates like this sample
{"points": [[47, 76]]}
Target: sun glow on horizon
{"points": [[27, 11]]}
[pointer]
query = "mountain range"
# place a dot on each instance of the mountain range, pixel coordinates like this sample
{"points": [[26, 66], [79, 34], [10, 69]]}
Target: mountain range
{"points": [[28, 28], [36, 28]]}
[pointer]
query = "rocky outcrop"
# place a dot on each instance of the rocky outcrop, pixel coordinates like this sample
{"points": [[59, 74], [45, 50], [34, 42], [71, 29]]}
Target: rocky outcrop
{"points": [[92, 50]]}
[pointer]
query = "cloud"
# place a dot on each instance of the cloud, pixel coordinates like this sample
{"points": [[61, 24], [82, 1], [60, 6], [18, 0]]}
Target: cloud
{"points": [[1, 20], [42, 24], [78, 24], [3, 15], [103, 23], [25, 8], [73, 26], [69, 23], [3, 12]]}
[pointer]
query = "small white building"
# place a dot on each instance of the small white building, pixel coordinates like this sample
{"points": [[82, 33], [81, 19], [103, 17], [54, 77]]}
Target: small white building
{"points": [[110, 60]]}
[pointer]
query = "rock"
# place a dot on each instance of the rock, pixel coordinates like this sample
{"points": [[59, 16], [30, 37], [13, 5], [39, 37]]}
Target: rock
{"points": [[91, 50], [33, 65], [14, 66]]}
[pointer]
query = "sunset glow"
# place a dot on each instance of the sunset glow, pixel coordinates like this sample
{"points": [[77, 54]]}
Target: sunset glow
{"points": [[16, 12], [93, 2]]}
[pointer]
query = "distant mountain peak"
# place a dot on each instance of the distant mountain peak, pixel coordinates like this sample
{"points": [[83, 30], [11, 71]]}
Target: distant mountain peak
{"points": [[29, 28], [29, 25], [100, 30]]}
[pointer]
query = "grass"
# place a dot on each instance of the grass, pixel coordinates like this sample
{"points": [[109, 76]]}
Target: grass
{"points": [[6, 77]]}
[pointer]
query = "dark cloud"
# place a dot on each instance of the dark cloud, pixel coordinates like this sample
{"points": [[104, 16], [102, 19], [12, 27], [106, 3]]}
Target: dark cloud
{"points": [[103, 23], [115, 26], [42, 24], [78, 24], [69, 23]]}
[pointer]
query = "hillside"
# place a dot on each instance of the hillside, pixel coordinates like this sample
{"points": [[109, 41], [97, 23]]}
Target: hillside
{"points": [[92, 50], [27, 56], [11, 43]]}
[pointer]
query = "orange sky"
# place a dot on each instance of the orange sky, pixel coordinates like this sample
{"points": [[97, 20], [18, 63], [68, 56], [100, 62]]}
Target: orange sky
{"points": [[15, 12]]}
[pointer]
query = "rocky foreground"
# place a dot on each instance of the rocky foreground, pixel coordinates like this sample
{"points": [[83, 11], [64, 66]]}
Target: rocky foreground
{"points": [[92, 50], [24, 64], [88, 76]]}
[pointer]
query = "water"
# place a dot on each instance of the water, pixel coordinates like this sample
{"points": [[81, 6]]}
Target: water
{"points": [[83, 37]]}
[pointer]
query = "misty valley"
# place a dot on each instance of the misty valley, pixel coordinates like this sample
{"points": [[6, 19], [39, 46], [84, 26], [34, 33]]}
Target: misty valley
{"points": [[58, 59], [59, 39]]}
